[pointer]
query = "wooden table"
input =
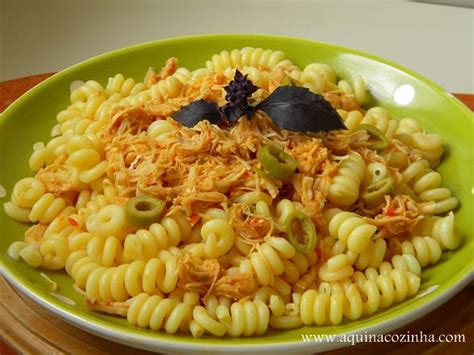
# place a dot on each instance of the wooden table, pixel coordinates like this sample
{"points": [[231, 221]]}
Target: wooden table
{"points": [[26, 327]]}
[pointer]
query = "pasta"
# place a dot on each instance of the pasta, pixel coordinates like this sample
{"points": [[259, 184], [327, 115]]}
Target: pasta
{"points": [[425, 184], [155, 312], [267, 261], [105, 251], [232, 229], [442, 229], [109, 220], [344, 189], [46, 208], [245, 57], [350, 229], [26, 252], [425, 249], [127, 280]]}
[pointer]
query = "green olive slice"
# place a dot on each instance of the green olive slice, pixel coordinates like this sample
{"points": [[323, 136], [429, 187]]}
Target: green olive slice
{"points": [[381, 141], [279, 164], [143, 210], [375, 193], [301, 232]]}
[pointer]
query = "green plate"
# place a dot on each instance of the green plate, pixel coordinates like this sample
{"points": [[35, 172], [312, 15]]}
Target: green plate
{"points": [[30, 118]]}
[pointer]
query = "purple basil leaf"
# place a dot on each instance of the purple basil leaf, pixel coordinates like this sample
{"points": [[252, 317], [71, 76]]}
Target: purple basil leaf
{"points": [[197, 111], [298, 109], [239, 88], [238, 91], [234, 111]]}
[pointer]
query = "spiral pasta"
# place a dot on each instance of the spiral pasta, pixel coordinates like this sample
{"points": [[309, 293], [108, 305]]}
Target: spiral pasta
{"points": [[26, 252], [55, 251], [337, 268], [442, 229], [296, 266], [272, 299], [310, 79], [425, 249], [79, 241], [218, 237], [194, 228], [160, 129], [377, 289], [357, 90], [86, 91], [79, 265], [145, 244], [380, 118], [249, 318], [267, 262], [426, 184], [87, 117], [106, 251], [323, 308], [394, 285], [84, 157], [373, 256], [155, 313], [121, 282], [429, 145], [344, 189], [248, 56], [109, 220], [125, 87], [25, 194], [46, 208], [164, 89], [91, 202], [350, 228]]}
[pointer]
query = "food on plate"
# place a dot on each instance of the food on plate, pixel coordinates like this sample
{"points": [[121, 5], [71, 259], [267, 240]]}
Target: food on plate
{"points": [[246, 194]]}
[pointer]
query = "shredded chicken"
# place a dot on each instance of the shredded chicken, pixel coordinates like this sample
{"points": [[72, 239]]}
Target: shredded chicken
{"points": [[277, 78], [131, 120], [164, 110], [58, 177], [206, 165], [340, 142], [348, 103], [198, 275], [236, 286], [309, 152], [399, 216], [250, 228], [108, 307], [153, 77], [312, 192], [333, 98]]}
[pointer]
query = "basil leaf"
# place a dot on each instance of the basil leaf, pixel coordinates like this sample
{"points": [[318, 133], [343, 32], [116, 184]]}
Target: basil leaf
{"points": [[298, 109], [238, 91], [197, 111], [234, 111]]}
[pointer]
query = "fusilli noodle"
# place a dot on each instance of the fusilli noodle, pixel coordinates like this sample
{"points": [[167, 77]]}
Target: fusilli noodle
{"points": [[194, 229]]}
